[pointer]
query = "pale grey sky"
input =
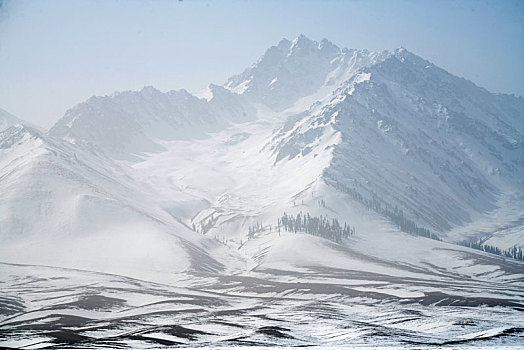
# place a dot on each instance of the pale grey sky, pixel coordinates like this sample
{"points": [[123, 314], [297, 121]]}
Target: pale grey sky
{"points": [[57, 53]]}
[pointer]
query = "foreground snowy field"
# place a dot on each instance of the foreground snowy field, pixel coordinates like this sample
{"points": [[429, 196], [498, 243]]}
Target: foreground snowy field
{"points": [[65, 308], [282, 301]]}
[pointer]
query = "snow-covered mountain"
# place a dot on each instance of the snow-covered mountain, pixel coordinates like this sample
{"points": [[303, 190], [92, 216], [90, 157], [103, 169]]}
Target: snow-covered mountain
{"points": [[129, 123], [310, 122], [191, 192], [416, 138], [7, 120], [387, 131], [295, 69]]}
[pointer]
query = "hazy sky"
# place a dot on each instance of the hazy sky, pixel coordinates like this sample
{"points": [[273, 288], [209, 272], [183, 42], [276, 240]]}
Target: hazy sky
{"points": [[55, 54]]}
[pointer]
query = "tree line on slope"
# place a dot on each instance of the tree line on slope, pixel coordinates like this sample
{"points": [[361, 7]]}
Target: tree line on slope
{"points": [[319, 226], [395, 215], [513, 252], [404, 224]]}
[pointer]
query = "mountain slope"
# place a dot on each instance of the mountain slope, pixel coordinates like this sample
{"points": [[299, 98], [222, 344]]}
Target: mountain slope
{"points": [[128, 124], [415, 138], [64, 206], [7, 120]]}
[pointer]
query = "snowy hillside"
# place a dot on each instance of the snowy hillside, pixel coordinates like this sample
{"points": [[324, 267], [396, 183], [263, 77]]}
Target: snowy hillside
{"points": [[67, 207]]}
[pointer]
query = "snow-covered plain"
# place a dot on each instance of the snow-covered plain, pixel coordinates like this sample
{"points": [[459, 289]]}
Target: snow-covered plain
{"points": [[126, 224]]}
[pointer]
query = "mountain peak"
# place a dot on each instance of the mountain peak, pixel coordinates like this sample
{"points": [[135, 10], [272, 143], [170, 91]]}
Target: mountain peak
{"points": [[149, 89], [284, 44], [302, 38], [302, 42], [328, 47], [7, 120], [150, 92], [296, 69], [404, 54]]}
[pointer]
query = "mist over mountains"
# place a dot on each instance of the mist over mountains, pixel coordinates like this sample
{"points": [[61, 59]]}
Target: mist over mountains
{"points": [[243, 193]]}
